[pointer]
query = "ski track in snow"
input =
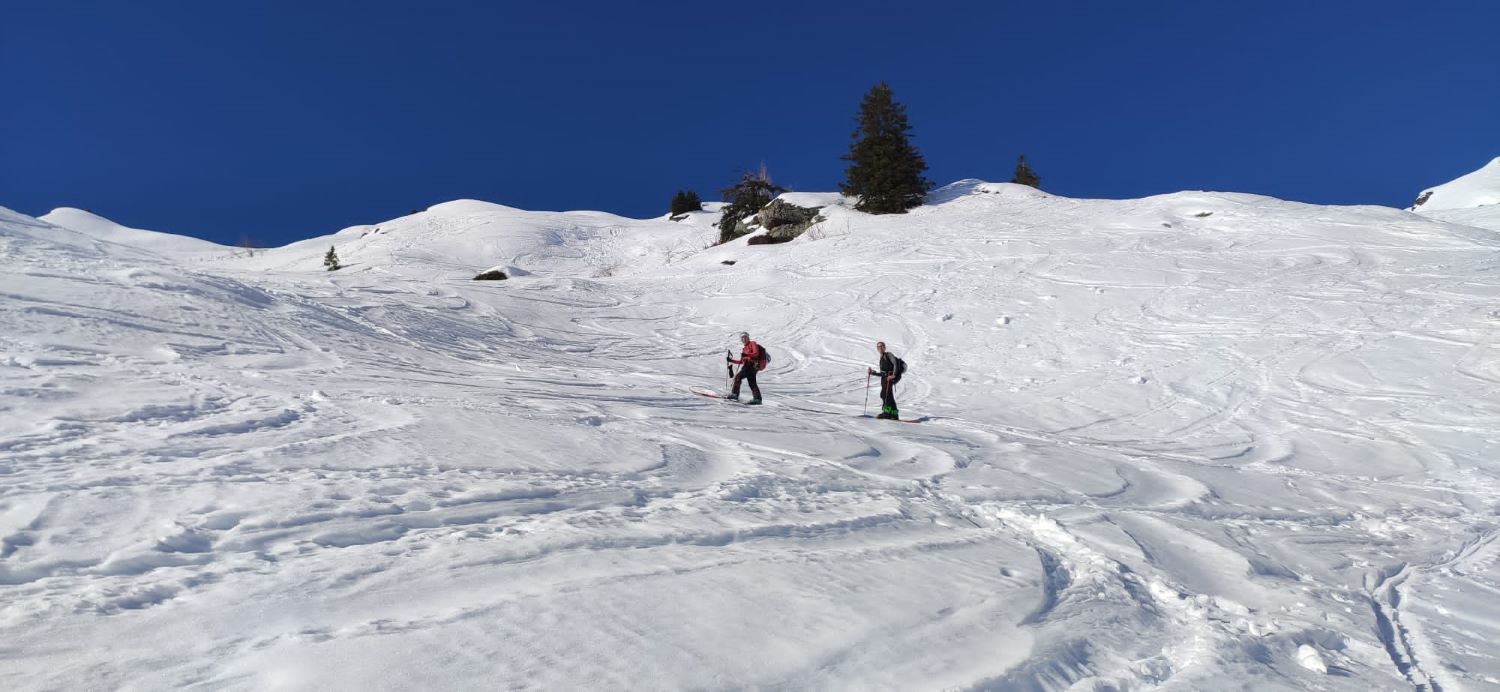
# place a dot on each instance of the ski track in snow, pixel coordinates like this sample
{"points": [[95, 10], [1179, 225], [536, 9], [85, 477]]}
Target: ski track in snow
{"points": [[1172, 443]]}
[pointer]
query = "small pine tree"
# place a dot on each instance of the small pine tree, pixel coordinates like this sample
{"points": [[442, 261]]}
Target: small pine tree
{"points": [[331, 260], [751, 194], [1024, 175], [685, 201], [885, 170]]}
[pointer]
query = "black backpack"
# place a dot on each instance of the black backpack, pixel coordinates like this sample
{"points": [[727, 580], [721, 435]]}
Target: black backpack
{"points": [[900, 365]]}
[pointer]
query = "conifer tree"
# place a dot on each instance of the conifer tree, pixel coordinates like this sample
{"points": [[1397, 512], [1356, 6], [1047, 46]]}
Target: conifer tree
{"points": [[748, 196], [885, 170], [685, 201], [331, 260], [1024, 175]]}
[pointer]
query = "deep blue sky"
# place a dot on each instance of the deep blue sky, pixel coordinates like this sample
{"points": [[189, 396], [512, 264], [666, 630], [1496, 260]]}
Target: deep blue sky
{"points": [[283, 120]]}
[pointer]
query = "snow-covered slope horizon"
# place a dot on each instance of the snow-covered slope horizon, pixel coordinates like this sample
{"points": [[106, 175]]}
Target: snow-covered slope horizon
{"points": [[100, 228], [450, 234], [1194, 441], [1472, 199], [1477, 189]]}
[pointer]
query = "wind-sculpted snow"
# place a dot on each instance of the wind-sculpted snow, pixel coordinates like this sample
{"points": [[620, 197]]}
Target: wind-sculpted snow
{"points": [[1197, 441]]}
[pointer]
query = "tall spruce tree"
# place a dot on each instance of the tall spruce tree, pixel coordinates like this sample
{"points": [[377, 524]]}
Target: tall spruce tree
{"points": [[885, 170], [1024, 175], [331, 260], [748, 196]]}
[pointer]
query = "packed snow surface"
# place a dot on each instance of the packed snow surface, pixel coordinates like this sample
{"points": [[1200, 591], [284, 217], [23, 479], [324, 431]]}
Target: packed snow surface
{"points": [[1198, 441]]}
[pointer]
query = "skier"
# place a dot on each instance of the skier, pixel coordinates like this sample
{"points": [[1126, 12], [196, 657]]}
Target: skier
{"points": [[752, 358], [891, 370]]}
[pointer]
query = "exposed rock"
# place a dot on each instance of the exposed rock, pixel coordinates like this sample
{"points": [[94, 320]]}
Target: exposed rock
{"points": [[779, 213], [768, 239], [785, 221], [736, 229]]}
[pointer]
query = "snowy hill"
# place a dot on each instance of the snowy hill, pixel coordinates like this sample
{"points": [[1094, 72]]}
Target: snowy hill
{"points": [[1194, 441], [100, 228], [1471, 200], [455, 240], [1477, 189]]}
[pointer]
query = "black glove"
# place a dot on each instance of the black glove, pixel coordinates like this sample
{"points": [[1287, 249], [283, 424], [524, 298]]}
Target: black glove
{"points": [[727, 359]]}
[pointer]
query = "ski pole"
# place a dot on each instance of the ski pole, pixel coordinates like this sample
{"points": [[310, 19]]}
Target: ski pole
{"points": [[867, 393]]}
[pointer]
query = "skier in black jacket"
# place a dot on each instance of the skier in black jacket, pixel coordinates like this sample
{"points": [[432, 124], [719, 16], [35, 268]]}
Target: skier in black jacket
{"points": [[891, 370]]}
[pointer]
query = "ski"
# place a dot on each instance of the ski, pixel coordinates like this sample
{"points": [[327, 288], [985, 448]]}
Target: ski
{"points": [[711, 394]]}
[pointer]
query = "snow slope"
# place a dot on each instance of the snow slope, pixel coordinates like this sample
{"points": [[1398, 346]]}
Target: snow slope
{"points": [[1195, 441], [1477, 189], [100, 228], [1471, 200], [1487, 217], [448, 239]]}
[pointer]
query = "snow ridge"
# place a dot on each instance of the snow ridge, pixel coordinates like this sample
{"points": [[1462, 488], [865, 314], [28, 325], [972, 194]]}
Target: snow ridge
{"points": [[1478, 189], [100, 228]]}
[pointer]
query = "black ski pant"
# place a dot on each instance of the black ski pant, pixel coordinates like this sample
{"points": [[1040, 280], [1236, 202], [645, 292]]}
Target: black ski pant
{"points": [[888, 392], [746, 373]]}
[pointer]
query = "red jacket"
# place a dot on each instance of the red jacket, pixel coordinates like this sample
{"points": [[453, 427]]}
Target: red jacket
{"points": [[750, 354]]}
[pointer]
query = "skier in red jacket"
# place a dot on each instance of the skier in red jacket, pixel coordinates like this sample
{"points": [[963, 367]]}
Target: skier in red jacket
{"points": [[752, 359]]}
